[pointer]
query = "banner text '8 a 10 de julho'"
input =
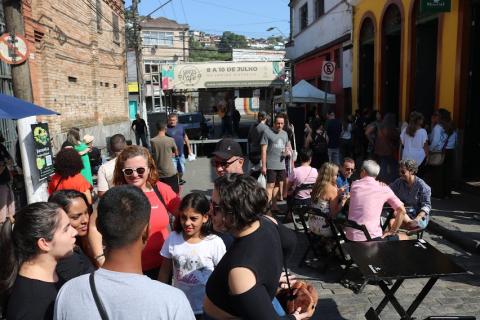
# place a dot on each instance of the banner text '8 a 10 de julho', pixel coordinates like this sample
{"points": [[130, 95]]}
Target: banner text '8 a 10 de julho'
{"points": [[228, 75]]}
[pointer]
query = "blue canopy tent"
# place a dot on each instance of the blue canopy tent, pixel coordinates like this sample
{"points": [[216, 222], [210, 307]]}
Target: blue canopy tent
{"points": [[14, 108]]}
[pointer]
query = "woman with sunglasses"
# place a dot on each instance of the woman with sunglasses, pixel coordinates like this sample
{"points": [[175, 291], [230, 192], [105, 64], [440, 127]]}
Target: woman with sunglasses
{"points": [[245, 281], [76, 206], [136, 166]]}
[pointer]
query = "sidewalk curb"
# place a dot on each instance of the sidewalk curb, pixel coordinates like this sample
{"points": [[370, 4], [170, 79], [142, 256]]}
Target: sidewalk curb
{"points": [[455, 236]]}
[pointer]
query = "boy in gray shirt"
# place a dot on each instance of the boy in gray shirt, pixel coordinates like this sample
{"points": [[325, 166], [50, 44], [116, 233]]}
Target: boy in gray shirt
{"points": [[124, 292], [274, 146]]}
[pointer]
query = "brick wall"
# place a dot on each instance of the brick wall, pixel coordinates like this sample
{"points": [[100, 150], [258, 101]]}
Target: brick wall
{"points": [[77, 67]]}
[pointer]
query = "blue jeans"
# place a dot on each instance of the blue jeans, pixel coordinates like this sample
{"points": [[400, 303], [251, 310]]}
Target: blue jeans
{"points": [[276, 305], [334, 155], [143, 137], [179, 163]]}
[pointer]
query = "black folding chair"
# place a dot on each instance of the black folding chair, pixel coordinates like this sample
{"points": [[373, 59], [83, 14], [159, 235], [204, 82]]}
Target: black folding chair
{"points": [[294, 210], [348, 261]]}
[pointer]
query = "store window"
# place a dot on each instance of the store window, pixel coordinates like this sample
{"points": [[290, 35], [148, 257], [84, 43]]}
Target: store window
{"points": [[304, 17]]}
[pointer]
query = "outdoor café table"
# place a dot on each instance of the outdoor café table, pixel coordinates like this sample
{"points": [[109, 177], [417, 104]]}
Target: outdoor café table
{"points": [[383, 261]]}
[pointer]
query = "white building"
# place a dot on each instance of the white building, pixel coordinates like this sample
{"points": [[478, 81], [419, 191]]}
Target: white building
{"points": [[321, 31]]}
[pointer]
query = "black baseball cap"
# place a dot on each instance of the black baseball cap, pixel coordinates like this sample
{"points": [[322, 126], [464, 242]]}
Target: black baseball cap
{"points": [[227, 148]]}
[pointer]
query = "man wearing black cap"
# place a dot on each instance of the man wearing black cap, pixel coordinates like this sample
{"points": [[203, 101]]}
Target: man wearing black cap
{"points": [[228, 157]]}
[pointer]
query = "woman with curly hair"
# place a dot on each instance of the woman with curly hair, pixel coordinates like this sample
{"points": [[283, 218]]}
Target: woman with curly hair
{"points": [[326, 197], [136, 166], [68, 166], [245, 281]]}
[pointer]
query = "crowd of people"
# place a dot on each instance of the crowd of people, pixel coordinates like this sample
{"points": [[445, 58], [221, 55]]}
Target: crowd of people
{"points": [[142, 251]]}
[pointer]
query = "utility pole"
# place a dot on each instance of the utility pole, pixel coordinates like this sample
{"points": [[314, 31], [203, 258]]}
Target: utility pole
{"points": [[22, 89], [138, 61]]}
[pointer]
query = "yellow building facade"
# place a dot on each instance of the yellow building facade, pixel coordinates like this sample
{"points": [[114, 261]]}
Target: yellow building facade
{"points": [[407, 58]]}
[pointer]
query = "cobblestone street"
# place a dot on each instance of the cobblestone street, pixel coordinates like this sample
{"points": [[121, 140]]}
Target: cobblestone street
{"points": [[459, 295]]}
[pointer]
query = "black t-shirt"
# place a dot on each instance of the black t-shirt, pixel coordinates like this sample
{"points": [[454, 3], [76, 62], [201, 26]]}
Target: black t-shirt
{"points": [[32, 299], [74, 265], [334, 130], [261, 252], [139, 125]]}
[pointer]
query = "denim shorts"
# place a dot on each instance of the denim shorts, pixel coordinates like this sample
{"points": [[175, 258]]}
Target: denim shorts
{"points": [[179, 163]]}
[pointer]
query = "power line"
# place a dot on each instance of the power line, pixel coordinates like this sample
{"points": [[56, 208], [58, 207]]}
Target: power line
{"points": [[233, 9], [183, 9]]}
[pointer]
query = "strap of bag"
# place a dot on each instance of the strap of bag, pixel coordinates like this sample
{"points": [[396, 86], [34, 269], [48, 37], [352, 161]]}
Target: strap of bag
{"points": [[58, 183], [446, 142], [98, 302], [291, 296], [159, 195]]}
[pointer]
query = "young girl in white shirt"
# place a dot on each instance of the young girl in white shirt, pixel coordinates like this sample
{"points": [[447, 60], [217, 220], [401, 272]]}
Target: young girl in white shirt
{"points": [[191, 252]]}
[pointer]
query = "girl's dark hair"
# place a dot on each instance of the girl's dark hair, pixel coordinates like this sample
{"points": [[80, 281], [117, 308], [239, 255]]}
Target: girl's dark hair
{"points": [[199, 203], [68, 163], [64, 199], [415, 119], [242, 200], [18, 240], [305, 155]]}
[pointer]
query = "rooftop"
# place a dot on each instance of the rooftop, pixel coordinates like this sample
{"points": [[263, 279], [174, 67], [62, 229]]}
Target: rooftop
{"points": [[163, 23]]}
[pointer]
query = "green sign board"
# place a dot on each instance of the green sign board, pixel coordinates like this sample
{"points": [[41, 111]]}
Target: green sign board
{"points": [[433, 6]]}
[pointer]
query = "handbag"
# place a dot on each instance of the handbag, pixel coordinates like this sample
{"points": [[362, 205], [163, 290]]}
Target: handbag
{"points": [[301, 295], [436, 158]]}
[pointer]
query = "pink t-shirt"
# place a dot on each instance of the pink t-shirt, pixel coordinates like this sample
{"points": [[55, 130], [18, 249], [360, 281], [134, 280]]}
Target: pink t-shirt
{"points": [[367, 197], [303, 175]]}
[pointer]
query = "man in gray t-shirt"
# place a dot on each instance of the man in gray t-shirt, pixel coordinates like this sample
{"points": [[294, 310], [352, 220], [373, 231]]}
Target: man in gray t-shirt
{"points": [[254, 138], [122, 289], [274, 146]]}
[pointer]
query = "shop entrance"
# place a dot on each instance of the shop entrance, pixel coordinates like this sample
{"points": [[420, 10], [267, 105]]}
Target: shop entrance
{"points": [[366, 65], [425, 63], [391, 55], [471, 146]]}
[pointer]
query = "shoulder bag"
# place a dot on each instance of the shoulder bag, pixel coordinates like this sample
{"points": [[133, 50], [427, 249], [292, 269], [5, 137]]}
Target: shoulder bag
{"points": [[436, 158], [301, 294], [96, 297], [171, 218]]}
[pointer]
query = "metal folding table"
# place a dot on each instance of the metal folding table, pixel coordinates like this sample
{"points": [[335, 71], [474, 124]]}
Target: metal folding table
{"points": [[384, 261]]}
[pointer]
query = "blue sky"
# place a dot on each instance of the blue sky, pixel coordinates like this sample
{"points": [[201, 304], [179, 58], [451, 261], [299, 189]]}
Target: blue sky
{"points": [[248, 17]]}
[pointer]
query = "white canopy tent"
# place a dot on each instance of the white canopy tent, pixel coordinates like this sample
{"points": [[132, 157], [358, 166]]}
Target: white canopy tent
{"points": [[304, 92]]}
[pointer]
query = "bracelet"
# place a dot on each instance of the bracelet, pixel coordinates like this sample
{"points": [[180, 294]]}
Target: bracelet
{"points": [[99, 256]]}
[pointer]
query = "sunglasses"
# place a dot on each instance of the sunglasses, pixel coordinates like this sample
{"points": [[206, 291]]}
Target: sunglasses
{"points": [[223, 163], [129, 171]]}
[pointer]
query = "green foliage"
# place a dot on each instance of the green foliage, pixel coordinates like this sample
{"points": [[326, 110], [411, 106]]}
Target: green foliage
{"points": [[198, 53], [231, 40]]}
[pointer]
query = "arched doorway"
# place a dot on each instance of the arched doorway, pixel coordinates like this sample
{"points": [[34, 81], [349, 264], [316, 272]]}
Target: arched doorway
{"points": [[471, 143], [424, 61], [391, 59], [366, 64]]}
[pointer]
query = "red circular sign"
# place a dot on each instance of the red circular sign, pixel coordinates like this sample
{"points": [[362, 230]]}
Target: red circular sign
{"points": [[13, 48]]}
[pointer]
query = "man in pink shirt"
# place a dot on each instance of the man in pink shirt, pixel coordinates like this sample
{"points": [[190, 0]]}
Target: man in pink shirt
{"points": [[367, 197]]}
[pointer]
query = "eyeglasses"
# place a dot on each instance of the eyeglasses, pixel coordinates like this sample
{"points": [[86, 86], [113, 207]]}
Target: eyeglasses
{"points": [[215, 208], [129, 171], [222, 163]]}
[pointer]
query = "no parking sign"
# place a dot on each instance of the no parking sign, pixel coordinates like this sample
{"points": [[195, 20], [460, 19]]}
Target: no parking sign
{"points": [[13, 48], [328, 71]]}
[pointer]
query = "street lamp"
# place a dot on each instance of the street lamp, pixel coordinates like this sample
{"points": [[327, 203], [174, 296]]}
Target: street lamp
{"points": [[273, 28]]}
